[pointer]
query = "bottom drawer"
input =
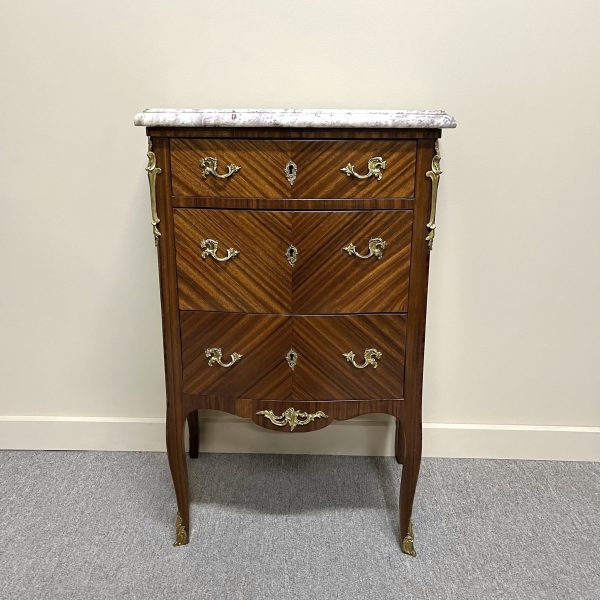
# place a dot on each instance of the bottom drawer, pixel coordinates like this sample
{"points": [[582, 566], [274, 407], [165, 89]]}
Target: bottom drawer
{"points": [[293, 358]]}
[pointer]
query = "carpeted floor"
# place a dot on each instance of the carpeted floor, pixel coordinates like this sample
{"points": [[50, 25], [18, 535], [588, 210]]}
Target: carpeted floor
{"points": [[93, 525]]}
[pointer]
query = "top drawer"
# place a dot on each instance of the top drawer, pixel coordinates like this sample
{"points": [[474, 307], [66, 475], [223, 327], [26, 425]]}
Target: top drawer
{"points": [[293, 169]]}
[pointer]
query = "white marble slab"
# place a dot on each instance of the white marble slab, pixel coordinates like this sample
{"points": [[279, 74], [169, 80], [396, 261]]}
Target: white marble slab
{"points": [[291, 117]]}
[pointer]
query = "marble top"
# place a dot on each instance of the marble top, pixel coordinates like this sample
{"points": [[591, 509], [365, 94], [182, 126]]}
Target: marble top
{"points": [[292, 117]]}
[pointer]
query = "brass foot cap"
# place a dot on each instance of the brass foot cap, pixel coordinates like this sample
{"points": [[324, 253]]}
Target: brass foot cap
{"points": [[181, 538], [178, 543], [408, 546]]}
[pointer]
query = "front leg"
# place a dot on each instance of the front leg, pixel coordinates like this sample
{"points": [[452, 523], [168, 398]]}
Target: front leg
{"points": [[178, 465], [410, 473]]}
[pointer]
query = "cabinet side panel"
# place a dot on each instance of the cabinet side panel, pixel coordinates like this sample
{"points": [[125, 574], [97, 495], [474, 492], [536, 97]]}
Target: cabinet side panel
{"points": [[417, 297], [168, 278]]}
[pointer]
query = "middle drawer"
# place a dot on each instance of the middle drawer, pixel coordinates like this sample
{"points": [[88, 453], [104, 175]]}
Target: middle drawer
{"points": [[308, 262]]}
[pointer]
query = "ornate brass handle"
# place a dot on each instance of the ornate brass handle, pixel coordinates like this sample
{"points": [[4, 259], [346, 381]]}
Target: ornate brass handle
{"points": [[434, 175], [209, 166], [215, 356], [153, 171], [376, 246], [375, 165], [210, 249], [372, 355], [292, 417]]}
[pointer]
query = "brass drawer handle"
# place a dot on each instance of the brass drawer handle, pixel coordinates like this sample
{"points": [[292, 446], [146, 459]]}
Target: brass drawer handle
{"points": [[209, 166], [215, 356], [292, 417], [210, 249], [376, 246], [372, 355], [375, 164]]}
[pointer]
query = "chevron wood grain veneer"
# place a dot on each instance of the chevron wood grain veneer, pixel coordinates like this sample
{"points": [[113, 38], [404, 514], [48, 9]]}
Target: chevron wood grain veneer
{"points": [[293, 271]]}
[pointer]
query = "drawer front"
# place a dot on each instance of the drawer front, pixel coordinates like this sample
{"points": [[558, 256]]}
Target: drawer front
{"points": [[293, 358], [261, 341], [349, 357], [261, 168], [214, 168], [321, 164], [256, 279], [336, 262], [330, 277]]}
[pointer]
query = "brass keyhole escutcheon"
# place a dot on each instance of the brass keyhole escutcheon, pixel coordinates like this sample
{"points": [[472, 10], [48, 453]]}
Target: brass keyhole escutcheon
{"points": [[291, 254], [291, 170], [292, 358]]}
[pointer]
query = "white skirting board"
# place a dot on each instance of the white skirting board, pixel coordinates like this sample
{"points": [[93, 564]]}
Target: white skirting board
{"points": [[364, 436]]}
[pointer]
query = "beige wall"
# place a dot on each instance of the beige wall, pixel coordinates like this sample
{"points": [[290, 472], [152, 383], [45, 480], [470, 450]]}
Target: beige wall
{"points": [[513, 329]]}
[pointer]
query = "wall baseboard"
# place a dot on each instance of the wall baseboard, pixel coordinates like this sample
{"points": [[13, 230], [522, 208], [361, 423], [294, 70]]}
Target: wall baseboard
{"points": [[364, 436]]}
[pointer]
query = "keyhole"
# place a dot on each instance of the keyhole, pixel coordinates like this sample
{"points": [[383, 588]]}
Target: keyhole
{"points": [[291, 254], [290, 171], [291, 358]]}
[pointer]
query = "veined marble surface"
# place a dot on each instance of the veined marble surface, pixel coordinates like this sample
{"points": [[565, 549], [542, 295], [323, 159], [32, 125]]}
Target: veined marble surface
{"points": [[292, 117]]}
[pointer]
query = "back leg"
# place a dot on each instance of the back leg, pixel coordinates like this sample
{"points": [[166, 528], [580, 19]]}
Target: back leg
{"points": [[192, 420], [399, 442]]}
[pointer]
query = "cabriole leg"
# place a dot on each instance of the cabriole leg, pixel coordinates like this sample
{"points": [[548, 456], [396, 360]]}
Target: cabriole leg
{"points": [[177, 463], [410, 473]]}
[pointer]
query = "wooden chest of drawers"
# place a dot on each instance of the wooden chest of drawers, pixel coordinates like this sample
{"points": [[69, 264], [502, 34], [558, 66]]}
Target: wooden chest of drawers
{"points": [[293, 253]]}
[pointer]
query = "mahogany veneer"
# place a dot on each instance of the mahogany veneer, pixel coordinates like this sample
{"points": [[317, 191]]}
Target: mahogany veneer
{"points": [[324, 279], [321, 373], [263, 331], [262, 162]]}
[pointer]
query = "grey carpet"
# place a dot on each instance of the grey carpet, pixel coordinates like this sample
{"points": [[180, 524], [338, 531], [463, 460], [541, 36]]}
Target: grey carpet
{"points": [[92, 525]]}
